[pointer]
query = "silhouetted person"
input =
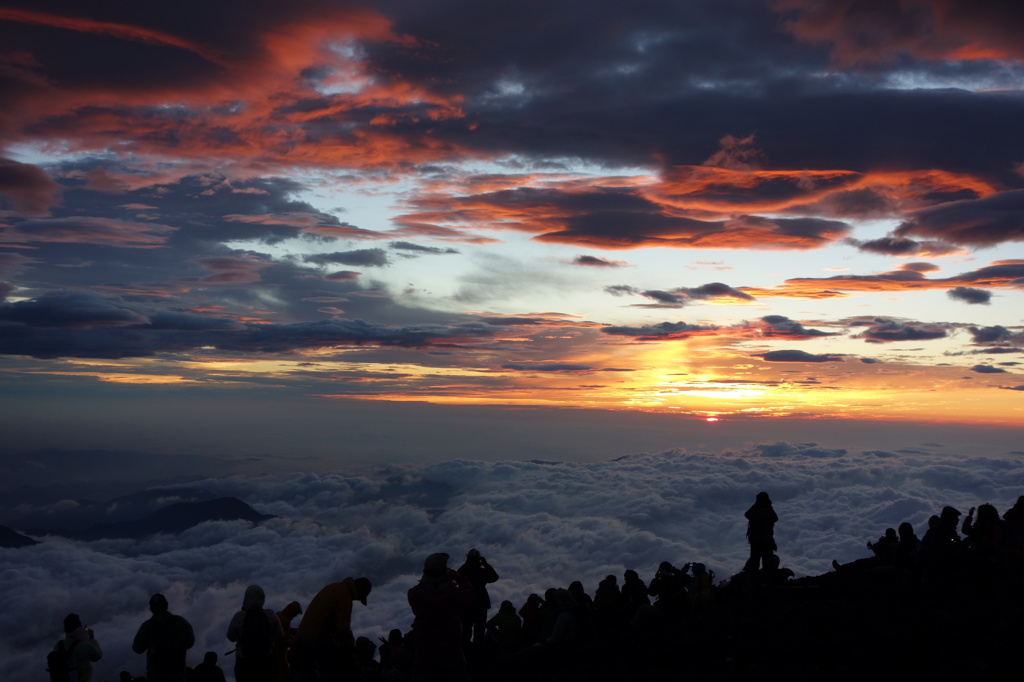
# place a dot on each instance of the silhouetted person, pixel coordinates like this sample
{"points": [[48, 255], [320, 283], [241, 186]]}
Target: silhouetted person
{"points": [[369, 669], [208, 670], [634, 593], [480, 574], [702, 591], [257, 633], [531, 615], [506, 628], [905, 556], [164, 638], [609, 606], [324, 646], [566, 627], [585, 613], [75, 653], [986, 536], [1014, 518], [884, 547], [394, 656], [285, 617], [438, 602], [883, 551], [761, 520], [669, 588], [940, 551]]}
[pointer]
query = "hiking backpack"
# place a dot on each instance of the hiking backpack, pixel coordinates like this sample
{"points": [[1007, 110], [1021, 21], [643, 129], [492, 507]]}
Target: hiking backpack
{"points": [[62, 664], [256, 639]]}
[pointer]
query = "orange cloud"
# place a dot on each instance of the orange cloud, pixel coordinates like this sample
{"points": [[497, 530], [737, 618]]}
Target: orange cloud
{"points": [[1003, 273]]}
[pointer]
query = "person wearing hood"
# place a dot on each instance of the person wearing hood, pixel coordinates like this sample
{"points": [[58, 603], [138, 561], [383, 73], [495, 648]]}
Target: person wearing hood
{"points": [[438, 602], [81, 645], [256, 632], [324, 646]]}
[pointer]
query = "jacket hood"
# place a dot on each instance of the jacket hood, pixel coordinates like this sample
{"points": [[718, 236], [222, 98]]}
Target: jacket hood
{"points": [[254, 598]]}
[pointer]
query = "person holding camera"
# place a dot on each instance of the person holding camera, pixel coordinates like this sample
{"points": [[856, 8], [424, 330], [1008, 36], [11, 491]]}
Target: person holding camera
{"points": [[73, 656], [474, 621]]}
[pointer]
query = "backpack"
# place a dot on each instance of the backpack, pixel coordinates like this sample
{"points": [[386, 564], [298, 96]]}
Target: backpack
{"points": [[256, 639], [62, 664]]}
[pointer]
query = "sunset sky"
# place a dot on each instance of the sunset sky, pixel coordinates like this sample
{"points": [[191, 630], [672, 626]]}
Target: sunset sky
{"points": [[290, 219]]}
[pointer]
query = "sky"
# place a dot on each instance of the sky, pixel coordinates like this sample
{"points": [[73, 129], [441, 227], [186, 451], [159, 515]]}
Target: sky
{"points": [[364, 265], [736, 210]]}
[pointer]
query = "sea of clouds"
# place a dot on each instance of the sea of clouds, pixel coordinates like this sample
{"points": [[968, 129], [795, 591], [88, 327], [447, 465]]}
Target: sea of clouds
{"points": [[540, 524]]}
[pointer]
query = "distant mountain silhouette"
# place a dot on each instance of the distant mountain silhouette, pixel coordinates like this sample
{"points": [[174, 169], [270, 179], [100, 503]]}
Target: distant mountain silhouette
{"points": [[12, 538], [171, 519]]}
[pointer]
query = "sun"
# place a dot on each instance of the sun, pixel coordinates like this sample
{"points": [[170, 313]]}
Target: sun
{"points": [[710, 419]]}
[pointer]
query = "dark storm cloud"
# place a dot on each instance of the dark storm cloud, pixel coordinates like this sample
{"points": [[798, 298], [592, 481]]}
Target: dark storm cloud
{"points": [[366, 257], [594, 261], [970, 295], [796, 356], [70, 309], [547, 367], [988, 369], [988, 221], [665, 299], [885, 331], [680, 296], [342, 276], [781, 326], [661, 331], [902, 246], [85, 324], [997, 334], [713, 290], [420, 249], [27, 189]]}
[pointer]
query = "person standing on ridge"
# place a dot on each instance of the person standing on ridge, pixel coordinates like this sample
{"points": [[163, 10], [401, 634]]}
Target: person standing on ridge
{"points": [[761, 519]]}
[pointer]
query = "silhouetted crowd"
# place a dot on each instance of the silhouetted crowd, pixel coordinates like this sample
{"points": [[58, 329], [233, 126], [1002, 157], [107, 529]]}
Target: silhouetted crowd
{"points": [[455, 636]]}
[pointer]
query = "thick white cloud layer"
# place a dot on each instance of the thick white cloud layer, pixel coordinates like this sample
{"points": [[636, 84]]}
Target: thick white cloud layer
{"points": [[540, 524]]}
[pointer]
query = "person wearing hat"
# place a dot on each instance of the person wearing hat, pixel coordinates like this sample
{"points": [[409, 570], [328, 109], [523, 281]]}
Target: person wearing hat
{"points": [[438, 602], [81, 645], [324, 646]]}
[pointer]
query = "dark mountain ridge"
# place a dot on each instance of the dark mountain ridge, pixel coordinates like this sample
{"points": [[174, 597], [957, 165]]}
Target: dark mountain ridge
{"points": [[171, 519]]}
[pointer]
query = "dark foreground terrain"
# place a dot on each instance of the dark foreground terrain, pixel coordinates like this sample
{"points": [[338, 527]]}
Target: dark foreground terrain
{"points": [[829, 627]]}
